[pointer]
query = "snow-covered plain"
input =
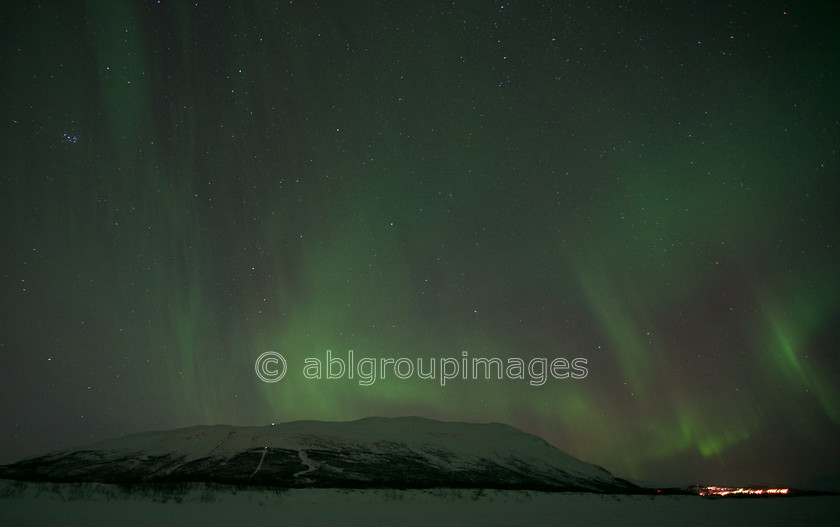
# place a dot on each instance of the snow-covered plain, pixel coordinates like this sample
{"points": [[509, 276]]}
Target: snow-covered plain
{"points": [[23, 504]]}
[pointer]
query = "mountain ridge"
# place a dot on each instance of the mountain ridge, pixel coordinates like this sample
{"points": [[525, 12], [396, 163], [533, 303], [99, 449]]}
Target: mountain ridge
{"points": [[374, 452]]}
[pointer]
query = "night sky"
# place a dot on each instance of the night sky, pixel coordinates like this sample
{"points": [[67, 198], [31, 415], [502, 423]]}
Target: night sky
{"points": [[650, 186]]}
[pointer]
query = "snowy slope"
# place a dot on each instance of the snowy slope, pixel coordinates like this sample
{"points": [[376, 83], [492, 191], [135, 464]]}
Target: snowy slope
{"points": [[409, 452]]}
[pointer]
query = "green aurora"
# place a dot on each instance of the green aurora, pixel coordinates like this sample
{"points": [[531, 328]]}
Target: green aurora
{"points": [[187, 186]]}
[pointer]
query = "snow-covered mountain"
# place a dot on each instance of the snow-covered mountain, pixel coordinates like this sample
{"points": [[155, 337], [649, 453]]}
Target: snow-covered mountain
{"points": [[408, 452]]}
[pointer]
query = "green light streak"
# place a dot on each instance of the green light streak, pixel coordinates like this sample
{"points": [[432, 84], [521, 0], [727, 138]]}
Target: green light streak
{"points": [[793, 318]]}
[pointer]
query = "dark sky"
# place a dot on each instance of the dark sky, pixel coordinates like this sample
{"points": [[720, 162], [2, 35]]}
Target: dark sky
{"points": [[651, 187]]}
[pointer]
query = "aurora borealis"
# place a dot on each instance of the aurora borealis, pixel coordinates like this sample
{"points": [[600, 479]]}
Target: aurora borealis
{"points": [[186, 185]]}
